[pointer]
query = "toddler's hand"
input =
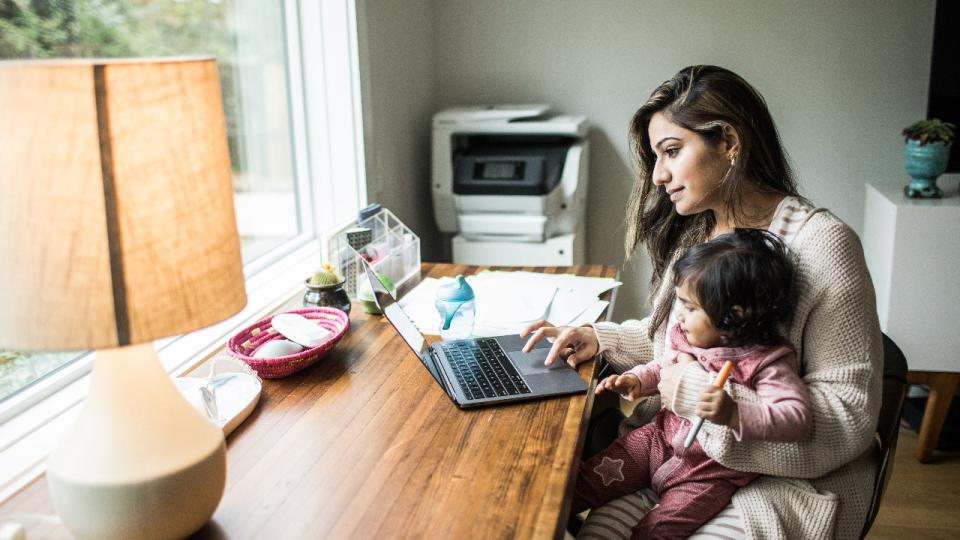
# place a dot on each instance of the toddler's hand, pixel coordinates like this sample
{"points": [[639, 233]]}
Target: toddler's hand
{"points": [[718, 407], [627, 385]]}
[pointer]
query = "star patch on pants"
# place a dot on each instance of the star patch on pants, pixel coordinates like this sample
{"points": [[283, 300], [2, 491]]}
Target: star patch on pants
{"points": [[610, 470]]}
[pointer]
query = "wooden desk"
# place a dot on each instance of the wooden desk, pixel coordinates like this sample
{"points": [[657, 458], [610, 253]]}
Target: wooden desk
{"points": [[364, 444]]}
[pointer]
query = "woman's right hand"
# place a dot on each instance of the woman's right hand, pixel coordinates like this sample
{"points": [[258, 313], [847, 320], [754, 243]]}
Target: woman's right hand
{"points": [[575, 344]]}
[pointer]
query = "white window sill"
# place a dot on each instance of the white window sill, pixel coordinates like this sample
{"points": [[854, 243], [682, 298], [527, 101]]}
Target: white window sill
{"points": [[40, 416]]}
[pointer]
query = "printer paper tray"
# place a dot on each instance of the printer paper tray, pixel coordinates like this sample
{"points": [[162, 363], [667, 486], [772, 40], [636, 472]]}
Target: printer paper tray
{"points": [[505, 225]]}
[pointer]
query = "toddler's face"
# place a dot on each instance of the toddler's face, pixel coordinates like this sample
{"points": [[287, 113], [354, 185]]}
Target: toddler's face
{"points": [[694, 322]]}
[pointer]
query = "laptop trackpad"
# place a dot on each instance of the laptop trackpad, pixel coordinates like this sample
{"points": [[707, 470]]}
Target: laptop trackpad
{"points": [[532, 362]]}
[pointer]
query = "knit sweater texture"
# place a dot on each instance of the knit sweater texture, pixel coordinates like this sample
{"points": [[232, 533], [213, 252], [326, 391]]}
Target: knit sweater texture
{"points": [[820, 487]]}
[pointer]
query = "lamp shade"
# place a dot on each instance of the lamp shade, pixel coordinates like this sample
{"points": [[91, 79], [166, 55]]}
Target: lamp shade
{"points": [[117, 222]]}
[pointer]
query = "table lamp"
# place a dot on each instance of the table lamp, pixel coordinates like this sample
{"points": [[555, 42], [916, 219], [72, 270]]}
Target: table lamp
{"points": [[117, 228]]}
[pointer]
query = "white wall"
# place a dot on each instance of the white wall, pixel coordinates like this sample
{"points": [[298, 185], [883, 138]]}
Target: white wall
{"points": [[841, 78]]}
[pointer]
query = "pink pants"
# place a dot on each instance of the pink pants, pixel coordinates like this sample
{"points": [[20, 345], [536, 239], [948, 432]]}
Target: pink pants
{"points": [[692, 487]]}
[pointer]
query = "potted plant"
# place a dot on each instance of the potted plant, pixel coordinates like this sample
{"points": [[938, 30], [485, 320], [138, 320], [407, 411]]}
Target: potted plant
{"points": [[365, 292], [325, 288], [925, 156]]}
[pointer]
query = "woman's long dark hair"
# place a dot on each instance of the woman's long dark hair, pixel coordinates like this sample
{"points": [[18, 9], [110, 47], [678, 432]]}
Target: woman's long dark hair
{"points": [[703, 99]]}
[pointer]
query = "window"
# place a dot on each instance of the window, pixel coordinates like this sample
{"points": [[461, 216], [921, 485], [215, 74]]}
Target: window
{"points": [[19, 370], [288, 73], [247, 38]]}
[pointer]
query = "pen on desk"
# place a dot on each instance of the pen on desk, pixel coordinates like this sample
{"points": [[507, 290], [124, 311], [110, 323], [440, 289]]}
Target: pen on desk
{"points": [[698, 422], [546, 312]]}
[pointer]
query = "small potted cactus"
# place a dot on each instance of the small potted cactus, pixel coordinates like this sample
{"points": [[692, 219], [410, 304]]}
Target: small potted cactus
{"points": [[325, 288], [925, 156]]}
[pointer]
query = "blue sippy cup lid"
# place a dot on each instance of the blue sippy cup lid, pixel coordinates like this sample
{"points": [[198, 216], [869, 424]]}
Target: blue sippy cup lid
{"points": [[458, 291]]}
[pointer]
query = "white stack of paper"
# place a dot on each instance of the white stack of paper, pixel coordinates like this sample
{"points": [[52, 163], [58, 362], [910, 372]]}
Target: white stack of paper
{"points": [[507, 302]]}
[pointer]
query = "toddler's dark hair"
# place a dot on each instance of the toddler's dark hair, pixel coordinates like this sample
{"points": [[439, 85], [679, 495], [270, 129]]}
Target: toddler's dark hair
{"points": [[749, 268]]}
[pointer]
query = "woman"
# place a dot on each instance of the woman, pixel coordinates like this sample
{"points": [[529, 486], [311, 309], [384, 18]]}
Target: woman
{"points": [[710, 160]]}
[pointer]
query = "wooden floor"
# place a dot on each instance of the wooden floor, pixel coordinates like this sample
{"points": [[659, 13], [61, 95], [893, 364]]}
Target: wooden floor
{"points": [[922, 501]]}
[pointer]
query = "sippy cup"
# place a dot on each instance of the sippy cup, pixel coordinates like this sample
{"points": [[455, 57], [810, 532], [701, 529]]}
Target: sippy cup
{"points": [[457, 308]]}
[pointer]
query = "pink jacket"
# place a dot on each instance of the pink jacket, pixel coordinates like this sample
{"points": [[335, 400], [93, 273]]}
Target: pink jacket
{"points": [[783, 412]]}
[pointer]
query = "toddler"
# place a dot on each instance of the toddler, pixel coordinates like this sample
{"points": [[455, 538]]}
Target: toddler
{"points": [[731, 294]]}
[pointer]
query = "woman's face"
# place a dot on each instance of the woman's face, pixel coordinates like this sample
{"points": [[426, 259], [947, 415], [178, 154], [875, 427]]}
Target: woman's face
{"points": [[688, 168]]}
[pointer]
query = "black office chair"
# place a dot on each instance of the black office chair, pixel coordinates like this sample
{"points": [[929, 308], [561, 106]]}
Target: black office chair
{"points": [[888, 425]]}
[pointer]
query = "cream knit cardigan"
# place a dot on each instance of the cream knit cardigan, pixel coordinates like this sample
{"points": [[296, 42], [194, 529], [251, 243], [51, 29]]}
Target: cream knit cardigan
{"points": [[819, 488]]}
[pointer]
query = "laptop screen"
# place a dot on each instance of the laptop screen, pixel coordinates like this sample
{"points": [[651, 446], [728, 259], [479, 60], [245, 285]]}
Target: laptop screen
{"points": [[394, 313]]}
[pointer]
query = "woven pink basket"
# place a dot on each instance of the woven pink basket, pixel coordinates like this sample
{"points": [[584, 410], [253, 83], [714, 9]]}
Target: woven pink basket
{"points": [[246, 342]]}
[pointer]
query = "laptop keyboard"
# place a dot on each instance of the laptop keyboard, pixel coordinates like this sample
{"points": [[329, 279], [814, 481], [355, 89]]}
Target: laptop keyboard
{"points": [[483, 370]]}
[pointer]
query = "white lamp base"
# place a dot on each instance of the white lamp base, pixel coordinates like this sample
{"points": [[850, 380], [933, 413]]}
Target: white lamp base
{"points": [[140, 462]]}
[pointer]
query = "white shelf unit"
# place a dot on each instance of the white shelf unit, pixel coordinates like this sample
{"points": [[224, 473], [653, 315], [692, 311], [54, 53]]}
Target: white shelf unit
{"points": [[912, 248]]}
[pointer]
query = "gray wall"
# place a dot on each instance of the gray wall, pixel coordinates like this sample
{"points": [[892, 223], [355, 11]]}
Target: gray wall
{"points": [[398, 86], [841, 78]]}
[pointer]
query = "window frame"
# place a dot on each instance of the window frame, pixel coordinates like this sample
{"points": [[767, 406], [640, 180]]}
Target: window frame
{"points": [[324, 99]]}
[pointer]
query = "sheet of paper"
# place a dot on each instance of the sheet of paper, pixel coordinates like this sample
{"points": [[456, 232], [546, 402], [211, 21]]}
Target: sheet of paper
{"points": [[507, 302], [419, 306], [568, 305], [501, 300], [591, 314]]}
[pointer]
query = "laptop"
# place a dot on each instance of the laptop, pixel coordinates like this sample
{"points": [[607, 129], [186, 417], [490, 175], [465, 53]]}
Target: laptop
{"points": [[477, 372]]}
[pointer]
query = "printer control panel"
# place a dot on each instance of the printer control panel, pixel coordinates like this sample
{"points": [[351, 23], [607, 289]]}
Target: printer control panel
{"points": [[508, 164]]}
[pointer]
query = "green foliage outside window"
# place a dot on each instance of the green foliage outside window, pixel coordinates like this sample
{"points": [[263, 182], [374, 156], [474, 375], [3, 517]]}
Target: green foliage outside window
{"points": [[40, 29], [20, 369], [112, 28]]}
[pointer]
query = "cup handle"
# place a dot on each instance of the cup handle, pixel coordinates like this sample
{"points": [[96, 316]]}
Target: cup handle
{"points": [[448, 318]]}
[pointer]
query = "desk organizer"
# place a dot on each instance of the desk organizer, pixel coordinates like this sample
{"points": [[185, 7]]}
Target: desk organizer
{"points": [[246, 342], [384, 241]]}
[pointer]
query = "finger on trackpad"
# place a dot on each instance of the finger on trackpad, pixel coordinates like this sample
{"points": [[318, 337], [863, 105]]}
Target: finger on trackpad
{"points": [[532, 362]]}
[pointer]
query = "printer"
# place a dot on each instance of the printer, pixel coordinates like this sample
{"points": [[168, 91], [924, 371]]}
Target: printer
{"points": [[511, 182]]}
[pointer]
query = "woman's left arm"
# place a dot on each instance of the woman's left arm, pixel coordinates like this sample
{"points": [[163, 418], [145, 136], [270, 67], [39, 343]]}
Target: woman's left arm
{"points": [[839, 340]]}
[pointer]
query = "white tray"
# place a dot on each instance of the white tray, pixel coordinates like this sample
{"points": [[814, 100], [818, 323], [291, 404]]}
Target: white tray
{"points": [[232, 390]]}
